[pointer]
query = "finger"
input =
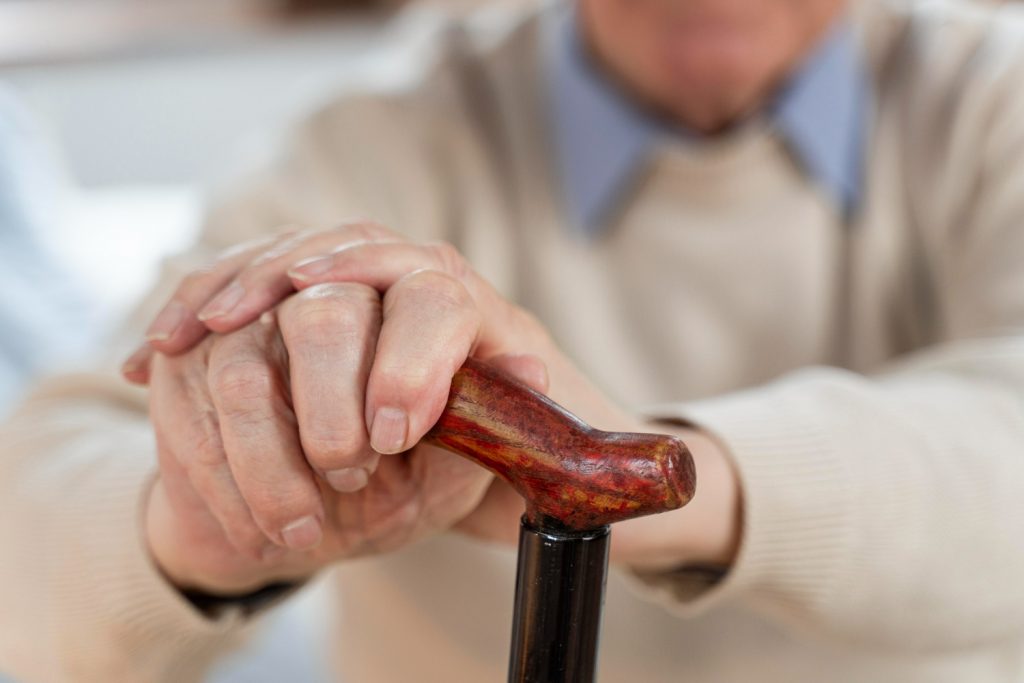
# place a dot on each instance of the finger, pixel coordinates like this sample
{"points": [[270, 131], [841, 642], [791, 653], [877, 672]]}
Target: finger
{"points": [[185, 424], [377, 264], [330, 332], [136, 367], [248, 375], [430, 326], [177, 328], [201, 520], [264, 283], [384, 515], [381, 265]]}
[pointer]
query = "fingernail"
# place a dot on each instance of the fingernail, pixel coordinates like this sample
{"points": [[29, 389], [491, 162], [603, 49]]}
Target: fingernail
{"points": [[348, 479], [136, 361], [310, 268], [166, 323], [302, 534], [223, 303], [387, 434]]}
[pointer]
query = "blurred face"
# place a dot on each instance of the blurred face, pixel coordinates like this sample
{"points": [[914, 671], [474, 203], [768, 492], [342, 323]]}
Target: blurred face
{"points": [[707, 63]]}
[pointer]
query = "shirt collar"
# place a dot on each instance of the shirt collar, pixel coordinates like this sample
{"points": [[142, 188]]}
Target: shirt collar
{"points": [[602, 138]]}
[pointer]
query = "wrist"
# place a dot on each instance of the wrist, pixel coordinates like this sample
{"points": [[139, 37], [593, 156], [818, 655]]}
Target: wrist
{"points": [[189, 564]]}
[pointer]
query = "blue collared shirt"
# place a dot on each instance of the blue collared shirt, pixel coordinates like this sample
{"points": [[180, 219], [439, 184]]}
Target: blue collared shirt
{"points": [[602, 138]]}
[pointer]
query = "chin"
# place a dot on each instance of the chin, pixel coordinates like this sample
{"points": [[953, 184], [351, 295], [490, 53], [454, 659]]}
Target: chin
{"points": [[722, 87], [720, 76]]}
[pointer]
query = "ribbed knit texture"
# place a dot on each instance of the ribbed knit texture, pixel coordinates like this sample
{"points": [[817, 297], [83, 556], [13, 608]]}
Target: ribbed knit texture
{"points": [[87, 493]]}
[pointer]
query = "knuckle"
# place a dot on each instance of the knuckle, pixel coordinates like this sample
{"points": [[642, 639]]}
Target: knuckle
{"points": [[186, 426], [436, 285], [324, 309], [207, 473], [336, 291], [243, 381], [449, 257], [207, 458], [325, 319], [407, 381], [205, 450], [330, 446]]}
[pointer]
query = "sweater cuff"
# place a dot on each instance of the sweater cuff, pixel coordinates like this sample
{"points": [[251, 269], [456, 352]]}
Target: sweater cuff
{"points": [[797, 503]]}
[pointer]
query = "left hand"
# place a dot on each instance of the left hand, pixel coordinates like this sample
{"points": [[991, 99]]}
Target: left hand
{"points": [[248, 281], [239, 288]]}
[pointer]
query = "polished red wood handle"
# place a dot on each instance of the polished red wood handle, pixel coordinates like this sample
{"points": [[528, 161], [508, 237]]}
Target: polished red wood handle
{"points": [[568, 472]]}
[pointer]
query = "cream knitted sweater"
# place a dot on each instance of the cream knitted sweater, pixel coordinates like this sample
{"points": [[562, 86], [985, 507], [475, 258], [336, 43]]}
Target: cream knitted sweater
{"points": [[867, 378]]}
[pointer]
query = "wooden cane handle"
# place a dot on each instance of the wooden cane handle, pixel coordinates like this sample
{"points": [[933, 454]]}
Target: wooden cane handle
{"points": [[569, 473]]}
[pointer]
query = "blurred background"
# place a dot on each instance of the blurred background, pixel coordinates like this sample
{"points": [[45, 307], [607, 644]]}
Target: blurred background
{"points": [[117, 117]]}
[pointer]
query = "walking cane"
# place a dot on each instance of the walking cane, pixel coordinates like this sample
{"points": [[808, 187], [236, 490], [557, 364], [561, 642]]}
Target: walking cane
{"points": [[576, 481]]}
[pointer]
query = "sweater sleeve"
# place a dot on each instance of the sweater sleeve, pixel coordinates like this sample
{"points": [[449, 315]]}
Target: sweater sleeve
{"points": [[80, 598], [887, 507]]}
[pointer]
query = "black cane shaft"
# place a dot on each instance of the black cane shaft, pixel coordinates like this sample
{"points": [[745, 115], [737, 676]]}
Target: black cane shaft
{"points": [[575, 480], [559, 595]]}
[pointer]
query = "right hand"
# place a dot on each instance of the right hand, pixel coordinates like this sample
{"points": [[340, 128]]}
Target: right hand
{"points": [[264, 451]]}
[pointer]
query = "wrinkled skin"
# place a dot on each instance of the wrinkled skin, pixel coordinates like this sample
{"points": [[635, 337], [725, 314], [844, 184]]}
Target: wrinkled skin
{"points": [[266, 412]]}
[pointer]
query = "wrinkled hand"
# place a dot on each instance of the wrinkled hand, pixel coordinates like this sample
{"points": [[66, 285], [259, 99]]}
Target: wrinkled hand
{"points": [[271, 431], [270, 434], [265, 456]]}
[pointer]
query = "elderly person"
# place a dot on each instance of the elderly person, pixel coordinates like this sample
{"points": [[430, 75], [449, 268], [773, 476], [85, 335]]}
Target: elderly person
{"points": [[792, 233]]}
